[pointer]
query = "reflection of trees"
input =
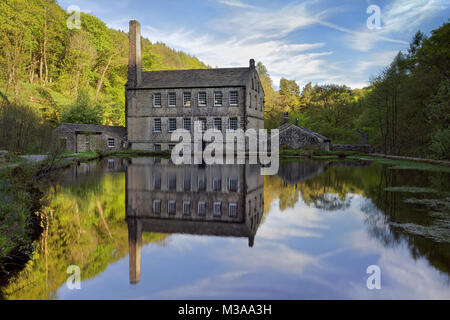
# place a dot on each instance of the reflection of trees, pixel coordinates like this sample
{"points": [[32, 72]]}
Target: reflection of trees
{"points": [[389, 218], [395, 222], [84, 225]]}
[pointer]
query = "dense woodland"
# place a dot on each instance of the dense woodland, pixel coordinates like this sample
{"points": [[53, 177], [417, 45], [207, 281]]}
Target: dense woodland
{"points": [[51, 74]]}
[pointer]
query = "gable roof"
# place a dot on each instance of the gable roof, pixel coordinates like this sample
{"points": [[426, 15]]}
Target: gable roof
{"points": [[287, 125], [74, 127], [219, 77]]}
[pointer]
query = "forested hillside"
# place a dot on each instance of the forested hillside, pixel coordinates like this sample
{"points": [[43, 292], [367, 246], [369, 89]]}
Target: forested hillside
{"points": [[52, 69]]}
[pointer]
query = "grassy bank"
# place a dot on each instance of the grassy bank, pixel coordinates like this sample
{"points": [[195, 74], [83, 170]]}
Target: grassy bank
{"points": [[19, 219]]}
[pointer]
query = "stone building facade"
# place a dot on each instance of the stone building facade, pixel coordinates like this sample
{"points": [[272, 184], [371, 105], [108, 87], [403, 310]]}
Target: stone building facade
{"points": [[86, 137], [295, 137], [159, 102]]}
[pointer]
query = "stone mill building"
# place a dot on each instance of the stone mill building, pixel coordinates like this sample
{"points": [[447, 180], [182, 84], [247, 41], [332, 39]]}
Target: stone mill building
{"points": [[159, 102]]}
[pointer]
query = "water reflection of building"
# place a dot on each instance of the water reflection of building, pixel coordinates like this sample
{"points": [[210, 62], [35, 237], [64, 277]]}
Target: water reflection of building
{"points": [[215, 200]]}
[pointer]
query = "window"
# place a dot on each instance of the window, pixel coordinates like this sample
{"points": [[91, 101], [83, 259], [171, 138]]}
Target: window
{"points": [[217, 212], [202, 99], [187, 124], [218, 98], [172, 182], [172, 124], [172, 99], [187, 208], [157, 206], [187, 183], [250, 100], [157, 125], [201, 183], [172, 207], [202, 124], [157, 100], [233, 124], [187, 99], [218, 124], [233, 98], [111, 143], [171, 146], [217, 184], [157, 181], [157, 147], [233, 184], [232, 210], [256, 102], [202, 209]]}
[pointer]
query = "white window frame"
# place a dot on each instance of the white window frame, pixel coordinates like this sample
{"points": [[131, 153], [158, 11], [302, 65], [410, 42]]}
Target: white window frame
{"points": [[198, 209], [168, 99], [113, 143], [232, 104], [154, 125], [217, 214], [154, 100], [168, 124], [229, 123], [169, 203], [154, 206], [190, 124], [185, 104], [187, 203], [235, 206], [215, 98], [216, 127], [199, 100]]}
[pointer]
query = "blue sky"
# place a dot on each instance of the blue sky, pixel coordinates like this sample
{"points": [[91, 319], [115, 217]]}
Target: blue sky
{"points": [[319, 41]]}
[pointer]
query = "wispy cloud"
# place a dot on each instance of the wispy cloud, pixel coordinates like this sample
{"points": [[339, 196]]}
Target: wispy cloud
{"points": [[235, 3]]}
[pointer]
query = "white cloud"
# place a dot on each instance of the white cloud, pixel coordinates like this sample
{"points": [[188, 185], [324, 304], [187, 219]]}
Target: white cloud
{"points": [[235, 3]]}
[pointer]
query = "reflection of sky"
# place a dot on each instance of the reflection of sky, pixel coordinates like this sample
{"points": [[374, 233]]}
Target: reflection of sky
{"points": [[299, 253]]}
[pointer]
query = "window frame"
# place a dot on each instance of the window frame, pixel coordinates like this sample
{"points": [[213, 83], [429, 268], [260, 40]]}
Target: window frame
{"points": [[229, 123], [168, 124], [174, 94], [220, 121], [190, 124], [237, 98], [154, 124], [185, 100], [206, 99], [158, 94], [221, 99], [113, 143]]}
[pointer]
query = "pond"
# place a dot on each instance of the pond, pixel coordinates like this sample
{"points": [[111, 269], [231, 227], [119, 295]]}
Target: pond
{"points": [[143, 228]]}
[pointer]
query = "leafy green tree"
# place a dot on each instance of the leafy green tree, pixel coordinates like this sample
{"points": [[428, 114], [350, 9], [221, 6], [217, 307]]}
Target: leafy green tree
{"points": [[83, 111]]}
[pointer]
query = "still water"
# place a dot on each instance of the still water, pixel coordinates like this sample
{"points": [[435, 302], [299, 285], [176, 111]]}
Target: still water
{"points": [[143, 228]]}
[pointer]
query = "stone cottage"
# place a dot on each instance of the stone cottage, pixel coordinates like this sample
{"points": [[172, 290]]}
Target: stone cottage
{"points": [[86, 137], [159, 102], [295, 137]]}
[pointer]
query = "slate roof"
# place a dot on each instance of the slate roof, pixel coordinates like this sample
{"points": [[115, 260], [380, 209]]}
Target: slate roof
{"points": [[194, 78], [74, 127], [288, 125]]}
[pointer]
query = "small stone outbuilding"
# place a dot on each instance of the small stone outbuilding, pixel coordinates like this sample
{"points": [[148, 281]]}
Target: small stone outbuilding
{"points": [[87, 137], [295, 137]]}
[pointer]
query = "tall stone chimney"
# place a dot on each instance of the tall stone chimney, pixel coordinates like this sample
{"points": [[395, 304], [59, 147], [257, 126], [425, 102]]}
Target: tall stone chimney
{"points": [[134, 60], [252, 63]]}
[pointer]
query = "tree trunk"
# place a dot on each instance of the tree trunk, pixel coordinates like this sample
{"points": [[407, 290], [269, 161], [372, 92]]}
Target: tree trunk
{"points": [[100, 82]]}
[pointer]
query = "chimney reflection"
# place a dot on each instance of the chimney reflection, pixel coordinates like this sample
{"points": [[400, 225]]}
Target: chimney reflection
{"points": [[212, 200]]}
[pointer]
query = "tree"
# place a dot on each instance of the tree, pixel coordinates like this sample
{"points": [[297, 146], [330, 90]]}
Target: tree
{"points": [[83, 111]]}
